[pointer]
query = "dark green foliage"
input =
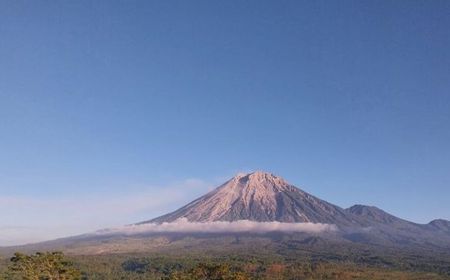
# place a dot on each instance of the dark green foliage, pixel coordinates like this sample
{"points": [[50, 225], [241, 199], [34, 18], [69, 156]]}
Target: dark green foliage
{"points": [[203, 271], [136, 265], [161, 266], [41, 266], [238, 265]]}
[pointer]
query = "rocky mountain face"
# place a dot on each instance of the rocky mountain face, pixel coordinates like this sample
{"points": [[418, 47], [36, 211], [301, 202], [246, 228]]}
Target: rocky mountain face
{"points": [[261, 197], [264, 197]]}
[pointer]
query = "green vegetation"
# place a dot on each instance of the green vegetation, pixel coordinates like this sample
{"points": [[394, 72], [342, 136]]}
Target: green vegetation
{"points": [[41, 266], [210, 266], [55, 266]]}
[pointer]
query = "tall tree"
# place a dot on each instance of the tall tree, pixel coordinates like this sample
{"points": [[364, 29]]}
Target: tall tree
{"points": [[42, 266]]}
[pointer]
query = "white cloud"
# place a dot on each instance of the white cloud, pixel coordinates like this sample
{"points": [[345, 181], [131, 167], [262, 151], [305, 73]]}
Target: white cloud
{"points": [[183, 225]]}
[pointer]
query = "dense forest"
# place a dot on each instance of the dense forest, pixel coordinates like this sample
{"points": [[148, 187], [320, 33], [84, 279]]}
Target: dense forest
{"points": [[56, 266]]}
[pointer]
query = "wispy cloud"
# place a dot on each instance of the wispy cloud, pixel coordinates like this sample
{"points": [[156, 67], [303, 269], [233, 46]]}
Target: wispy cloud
{"points": [[183, 225], [30, 219]]}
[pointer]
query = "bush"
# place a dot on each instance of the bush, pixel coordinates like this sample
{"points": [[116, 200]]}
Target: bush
{"points": [[41, 266]]}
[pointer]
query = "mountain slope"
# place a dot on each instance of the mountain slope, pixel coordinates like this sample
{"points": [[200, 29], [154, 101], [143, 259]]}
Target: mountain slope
{"points": [[264, 197], [386, 228], [440, 225], [261, 197], [372, 214]]}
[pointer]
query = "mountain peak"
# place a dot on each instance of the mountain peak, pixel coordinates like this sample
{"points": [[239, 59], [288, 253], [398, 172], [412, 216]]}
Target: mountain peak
{"points": [[440, 224], [256, 174], [373, 213], [257, 196], [259, 178]]}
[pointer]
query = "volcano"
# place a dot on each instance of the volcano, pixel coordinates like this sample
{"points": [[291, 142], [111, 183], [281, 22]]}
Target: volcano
{"points": [[261, 197], [260, 202], [265, 197]]}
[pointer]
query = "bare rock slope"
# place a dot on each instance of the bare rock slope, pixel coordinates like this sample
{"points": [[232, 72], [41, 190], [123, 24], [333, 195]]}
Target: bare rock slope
{"points": [[261, 197]]}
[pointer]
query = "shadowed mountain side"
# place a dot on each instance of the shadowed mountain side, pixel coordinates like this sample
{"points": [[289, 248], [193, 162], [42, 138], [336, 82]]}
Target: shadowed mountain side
{"points": [[386, 228], [440, 225]]}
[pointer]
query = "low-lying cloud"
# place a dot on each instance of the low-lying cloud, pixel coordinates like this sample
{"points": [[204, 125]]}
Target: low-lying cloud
{"points": [[184, 226]]}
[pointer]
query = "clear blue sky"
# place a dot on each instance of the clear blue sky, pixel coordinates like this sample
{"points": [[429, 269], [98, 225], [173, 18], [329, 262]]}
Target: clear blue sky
{"points": [[349, 100]]}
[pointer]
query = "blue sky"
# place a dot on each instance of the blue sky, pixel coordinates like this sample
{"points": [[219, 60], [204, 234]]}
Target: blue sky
{"points": [[114, 111]]}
